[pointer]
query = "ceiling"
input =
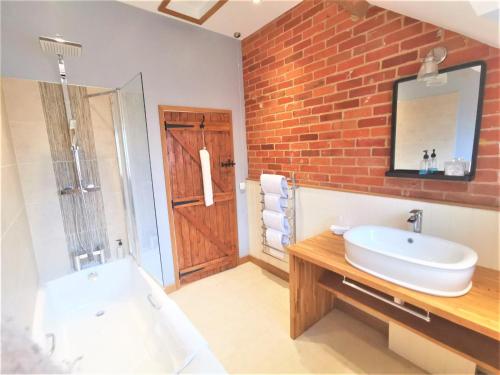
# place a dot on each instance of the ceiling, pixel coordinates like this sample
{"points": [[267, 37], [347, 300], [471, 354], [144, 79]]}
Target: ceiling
{"points": [[476, 19], [243, 16]]}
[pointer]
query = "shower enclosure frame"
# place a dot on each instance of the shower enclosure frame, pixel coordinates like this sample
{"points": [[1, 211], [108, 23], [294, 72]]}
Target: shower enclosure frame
{"points": [[119, 119], [125, 174], [121, 141]]}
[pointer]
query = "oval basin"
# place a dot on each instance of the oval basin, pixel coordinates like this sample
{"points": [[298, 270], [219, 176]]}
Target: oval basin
{"points": [[416, 261]]}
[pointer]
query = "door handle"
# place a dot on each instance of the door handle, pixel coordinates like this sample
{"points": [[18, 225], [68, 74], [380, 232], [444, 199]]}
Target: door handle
{"points": [[228, 163]]}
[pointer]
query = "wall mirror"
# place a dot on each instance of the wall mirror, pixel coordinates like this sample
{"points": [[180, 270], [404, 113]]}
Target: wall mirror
{"points": [[436, 122]]}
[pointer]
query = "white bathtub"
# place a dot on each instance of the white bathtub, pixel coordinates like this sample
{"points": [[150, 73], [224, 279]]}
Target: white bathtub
{"points": [[115, 319]]}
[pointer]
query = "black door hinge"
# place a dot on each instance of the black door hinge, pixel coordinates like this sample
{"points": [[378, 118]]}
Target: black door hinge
{"points": [[182, 203], [177, 126]]}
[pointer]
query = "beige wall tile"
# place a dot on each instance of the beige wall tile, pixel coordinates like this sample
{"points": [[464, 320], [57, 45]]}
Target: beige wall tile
{"points": [[38, 182], [30, 140], [52, 257], [45, 219], [27, 93], [19, 273], [7, 154], [109, 174], [102, 124], [11, 195]]}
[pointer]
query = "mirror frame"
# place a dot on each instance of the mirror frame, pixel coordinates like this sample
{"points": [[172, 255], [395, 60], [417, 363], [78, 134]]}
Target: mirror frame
{"points": [[410, 173]]}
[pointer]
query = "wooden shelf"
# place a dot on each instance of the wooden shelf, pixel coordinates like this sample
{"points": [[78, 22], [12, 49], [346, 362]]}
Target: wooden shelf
{"points": [[470, 344], [468, 325], [478, 310]]}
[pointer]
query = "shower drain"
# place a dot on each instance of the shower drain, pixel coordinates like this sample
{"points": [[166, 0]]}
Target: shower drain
{"points": [[100, 313]]}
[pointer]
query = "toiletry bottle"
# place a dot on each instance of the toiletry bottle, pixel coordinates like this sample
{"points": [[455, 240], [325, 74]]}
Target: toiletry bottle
{"points": [[433, 167], [424, 164], [119, 249]]}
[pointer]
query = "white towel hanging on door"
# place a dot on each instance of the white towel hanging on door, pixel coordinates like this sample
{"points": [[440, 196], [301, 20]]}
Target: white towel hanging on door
{"points": [[207, 177]]}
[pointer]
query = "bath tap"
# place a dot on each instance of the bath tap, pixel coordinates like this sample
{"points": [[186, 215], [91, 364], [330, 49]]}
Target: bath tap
{"points": [[416, 217]]}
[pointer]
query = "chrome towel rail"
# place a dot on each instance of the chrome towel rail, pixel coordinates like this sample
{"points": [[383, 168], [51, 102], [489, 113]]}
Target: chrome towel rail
{"points": [[292, 220], [399, 305]]}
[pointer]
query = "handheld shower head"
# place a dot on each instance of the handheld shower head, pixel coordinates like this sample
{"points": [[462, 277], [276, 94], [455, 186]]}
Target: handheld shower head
{"points": [[59, 46]]}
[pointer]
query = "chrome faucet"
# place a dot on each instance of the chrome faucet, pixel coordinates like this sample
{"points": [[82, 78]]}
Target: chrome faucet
{"points": [[416, 217]]}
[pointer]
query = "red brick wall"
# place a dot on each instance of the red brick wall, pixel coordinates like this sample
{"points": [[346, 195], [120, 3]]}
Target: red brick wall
{"points": [[318, 90]]}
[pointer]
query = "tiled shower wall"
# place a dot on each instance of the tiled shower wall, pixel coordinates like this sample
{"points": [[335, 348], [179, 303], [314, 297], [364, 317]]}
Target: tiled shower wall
{"points": [[19, 273], [83, 215], [42, 171], [109, 173]]}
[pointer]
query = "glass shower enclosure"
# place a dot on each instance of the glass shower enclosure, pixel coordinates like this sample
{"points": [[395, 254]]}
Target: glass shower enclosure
{"points": [[87, 187], [129, 117]]}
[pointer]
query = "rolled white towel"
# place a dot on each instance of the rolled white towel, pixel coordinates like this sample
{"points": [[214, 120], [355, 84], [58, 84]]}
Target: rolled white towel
{"points": [[275, 202], [206, 177], [275, 184], [276, 239], [276, 220]]}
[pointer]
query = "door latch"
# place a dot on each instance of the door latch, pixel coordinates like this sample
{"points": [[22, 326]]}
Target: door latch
{"points": [[228, 163]]}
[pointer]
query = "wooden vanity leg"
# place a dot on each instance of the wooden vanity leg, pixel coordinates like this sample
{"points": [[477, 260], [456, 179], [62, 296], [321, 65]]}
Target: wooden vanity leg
{"points": [[308, 302]]}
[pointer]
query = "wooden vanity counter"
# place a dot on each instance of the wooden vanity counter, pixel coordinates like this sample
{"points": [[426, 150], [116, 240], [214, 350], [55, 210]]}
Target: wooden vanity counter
{"points": [[469, 325]]}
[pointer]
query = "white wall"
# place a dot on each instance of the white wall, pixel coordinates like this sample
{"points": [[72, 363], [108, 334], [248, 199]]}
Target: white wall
{"points": [[317, 209], [19, 273], [181, 65]]}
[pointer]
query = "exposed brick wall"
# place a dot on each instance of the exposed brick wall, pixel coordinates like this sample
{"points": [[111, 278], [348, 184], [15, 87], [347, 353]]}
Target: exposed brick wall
{"points": [[318, 91]]}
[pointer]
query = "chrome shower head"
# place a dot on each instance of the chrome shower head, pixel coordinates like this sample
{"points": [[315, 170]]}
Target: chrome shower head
{"points": [[59, 46]]}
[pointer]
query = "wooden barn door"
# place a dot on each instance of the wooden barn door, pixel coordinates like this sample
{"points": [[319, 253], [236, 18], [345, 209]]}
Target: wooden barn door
{"points": [[204, 238]]}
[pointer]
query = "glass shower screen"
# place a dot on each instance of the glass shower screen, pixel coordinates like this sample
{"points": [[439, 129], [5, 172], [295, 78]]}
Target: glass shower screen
{"points": [[135, 167]]}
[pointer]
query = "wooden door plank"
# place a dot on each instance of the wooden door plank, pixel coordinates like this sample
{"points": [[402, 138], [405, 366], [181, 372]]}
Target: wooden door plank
{"points": [[183, 262], [186, 242], [232, 182], [196, 168], [168, 189], [200, 226], [208, 270], [194, 155], [188, 179], [200, 242], [181, 170], [203, 265], [171, 166]]}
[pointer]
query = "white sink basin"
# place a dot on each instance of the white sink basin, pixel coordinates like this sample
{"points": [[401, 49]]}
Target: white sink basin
{"points": [[416, 261]]}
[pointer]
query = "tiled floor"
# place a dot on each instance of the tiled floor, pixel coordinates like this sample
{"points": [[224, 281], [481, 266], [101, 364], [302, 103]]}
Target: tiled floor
{"points": [[244, 315]]}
